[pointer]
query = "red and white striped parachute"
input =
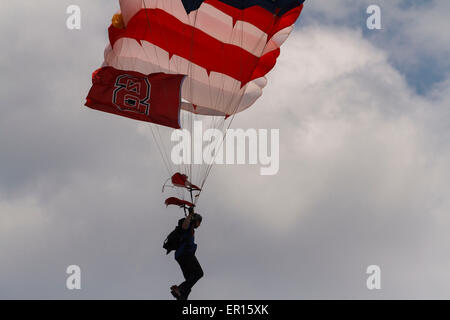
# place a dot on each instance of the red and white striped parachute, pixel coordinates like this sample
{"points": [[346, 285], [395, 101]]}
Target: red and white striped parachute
{"points": [[210, 56]]}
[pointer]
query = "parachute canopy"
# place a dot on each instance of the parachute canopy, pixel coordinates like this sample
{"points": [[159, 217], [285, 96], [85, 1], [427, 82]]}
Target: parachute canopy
{"points": [[217, 52]]}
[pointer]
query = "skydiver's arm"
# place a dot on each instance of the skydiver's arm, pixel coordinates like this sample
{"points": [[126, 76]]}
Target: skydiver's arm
{"points": [[187, 222]]}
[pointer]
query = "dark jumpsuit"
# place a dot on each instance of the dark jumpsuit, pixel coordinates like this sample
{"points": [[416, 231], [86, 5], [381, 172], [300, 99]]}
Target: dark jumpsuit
{"points": [[185, 256]]}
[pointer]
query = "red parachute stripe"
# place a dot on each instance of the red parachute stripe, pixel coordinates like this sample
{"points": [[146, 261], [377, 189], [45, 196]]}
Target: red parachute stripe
{"points": [[264, 20], [152, 98], [259, 17], [266, 63], [286, 20], [170, 34]]}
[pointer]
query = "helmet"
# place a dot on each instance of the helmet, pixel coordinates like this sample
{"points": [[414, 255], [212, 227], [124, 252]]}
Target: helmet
{"points": [[196, 217]]}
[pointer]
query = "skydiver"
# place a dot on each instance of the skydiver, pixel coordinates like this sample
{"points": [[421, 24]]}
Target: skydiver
{"points": [[185, 256]]}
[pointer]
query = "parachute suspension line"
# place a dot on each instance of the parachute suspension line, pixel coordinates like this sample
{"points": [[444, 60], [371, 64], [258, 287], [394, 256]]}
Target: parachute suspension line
{"points": [[210, 166], [190, 166], [166, 155], [161, 153], [186, 124], [192, 117]]}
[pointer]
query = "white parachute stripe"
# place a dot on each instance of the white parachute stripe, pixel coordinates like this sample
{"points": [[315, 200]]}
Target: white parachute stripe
{"points": [[219, 25]]}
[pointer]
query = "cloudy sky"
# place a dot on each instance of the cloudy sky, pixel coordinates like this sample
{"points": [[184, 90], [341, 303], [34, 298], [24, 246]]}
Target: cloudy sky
{"points": [[364, 176]]}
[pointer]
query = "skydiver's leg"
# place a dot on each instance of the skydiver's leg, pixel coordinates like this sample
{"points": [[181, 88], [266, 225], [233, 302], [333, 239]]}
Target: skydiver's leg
{"points": [[183, 261], [192, 272]]}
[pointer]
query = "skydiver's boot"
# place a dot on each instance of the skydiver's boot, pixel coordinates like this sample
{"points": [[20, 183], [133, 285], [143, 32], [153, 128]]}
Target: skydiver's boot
{"points": [[175, 292]]}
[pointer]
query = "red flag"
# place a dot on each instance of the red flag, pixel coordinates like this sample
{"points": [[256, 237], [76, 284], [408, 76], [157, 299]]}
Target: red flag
{"points": [[178, 202], [153, 98], [181, 180]]}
